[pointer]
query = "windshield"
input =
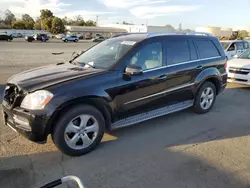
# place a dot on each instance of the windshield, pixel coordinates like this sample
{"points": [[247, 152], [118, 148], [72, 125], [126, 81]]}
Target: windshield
{"points": [[105, 54], [245, 55], [225, 45]]}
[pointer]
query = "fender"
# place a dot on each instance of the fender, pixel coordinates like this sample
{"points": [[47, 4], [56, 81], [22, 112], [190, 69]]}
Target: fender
{"points": [[96, 101], [209, 73]]}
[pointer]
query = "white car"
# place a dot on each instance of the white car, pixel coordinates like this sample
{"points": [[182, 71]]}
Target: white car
{"points": [[238, 69], [234, 47]]}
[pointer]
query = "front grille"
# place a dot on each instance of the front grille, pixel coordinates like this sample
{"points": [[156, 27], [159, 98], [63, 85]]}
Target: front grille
{"points": [[239, 70], [10, 94]]}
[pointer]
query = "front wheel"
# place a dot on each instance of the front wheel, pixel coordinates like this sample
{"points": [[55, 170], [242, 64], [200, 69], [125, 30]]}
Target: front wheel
{"points": [[79, 130], [205, 98]]}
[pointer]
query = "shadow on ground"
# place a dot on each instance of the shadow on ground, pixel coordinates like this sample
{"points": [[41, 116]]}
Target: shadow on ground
{"points": [[157, 153]]}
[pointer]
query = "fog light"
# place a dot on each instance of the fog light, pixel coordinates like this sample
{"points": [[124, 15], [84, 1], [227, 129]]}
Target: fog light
{"points": [[22, 123]]}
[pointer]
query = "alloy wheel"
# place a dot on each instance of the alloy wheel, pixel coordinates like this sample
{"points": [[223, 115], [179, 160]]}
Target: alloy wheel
{"points": [[207, 98], [81, 132]]}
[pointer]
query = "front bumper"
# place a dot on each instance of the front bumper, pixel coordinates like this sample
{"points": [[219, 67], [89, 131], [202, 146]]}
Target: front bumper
{"points": [[30, 124], [239, 78]]}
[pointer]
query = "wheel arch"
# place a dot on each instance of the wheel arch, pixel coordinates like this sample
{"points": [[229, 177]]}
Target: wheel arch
{"points": [[97, 102], [211, 75]]}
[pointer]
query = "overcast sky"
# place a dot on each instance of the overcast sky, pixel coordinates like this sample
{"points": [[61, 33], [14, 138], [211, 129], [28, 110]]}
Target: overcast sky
{"points": [[191, 13]]}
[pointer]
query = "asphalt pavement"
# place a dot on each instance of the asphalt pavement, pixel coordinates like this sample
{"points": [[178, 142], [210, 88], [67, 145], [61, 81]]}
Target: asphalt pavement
{"points": [[176, 151]]}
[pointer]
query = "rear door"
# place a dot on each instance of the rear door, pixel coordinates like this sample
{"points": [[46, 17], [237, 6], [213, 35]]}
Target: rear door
{"points": [[182, 68]]}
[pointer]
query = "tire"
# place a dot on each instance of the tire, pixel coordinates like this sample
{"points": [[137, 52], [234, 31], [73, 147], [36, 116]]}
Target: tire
{"points": [[63, 134], [66, 40], [206, 91], [76, 40]]}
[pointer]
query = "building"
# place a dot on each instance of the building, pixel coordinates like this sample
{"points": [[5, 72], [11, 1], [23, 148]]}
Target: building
{"points": [[104, 31], [216, 31], [140, 28]]}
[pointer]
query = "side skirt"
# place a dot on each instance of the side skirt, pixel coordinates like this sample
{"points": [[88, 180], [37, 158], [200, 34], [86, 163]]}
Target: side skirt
{"points": [[152, 114]]}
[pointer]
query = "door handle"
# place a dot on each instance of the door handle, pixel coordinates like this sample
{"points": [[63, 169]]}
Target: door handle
{"points": [[199, 67], [163, 77]]}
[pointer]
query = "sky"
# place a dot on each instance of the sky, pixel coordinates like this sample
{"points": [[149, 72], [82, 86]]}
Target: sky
{"points": [[191, 13]]}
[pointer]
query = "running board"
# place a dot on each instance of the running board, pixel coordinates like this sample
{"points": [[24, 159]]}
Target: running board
{"points": [[152, 114]]}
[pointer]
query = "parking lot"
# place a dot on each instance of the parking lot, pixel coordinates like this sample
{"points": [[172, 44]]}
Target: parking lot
{"points": [[179, 150]]}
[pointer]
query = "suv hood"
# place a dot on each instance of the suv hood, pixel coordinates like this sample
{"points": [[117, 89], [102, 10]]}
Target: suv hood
{"points": [[43, 77], [239, 63]]}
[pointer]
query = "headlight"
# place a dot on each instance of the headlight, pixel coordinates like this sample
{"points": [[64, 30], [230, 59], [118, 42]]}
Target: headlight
{"points": [[36, 100]]}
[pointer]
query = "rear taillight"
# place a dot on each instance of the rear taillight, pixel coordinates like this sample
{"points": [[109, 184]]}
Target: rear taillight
{"points": [[225, 65]]}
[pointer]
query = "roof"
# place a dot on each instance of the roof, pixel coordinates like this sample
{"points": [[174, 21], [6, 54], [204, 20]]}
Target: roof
{"points": [[131, 37], [150, 35]]}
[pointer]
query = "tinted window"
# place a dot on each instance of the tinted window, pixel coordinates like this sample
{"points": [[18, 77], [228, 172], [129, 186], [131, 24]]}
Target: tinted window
{"points": [[246, 45], [239, 46], [177, 52], [149, 56], [193, 51], [207, 48]]}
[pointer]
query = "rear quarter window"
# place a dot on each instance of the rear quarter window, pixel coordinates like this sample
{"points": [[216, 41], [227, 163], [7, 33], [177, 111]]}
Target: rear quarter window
{"points": [[207, 48]]}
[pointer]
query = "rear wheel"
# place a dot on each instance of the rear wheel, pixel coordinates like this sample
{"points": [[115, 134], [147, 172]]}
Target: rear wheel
{"points": [[65, 40], [205, 98], [76, 40], [79, 130]]}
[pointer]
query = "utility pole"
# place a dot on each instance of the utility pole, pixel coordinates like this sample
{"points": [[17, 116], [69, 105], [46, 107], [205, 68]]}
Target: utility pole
{"points": [[97, 18]]}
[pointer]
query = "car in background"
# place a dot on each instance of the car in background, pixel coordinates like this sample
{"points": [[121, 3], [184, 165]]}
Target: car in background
{"points": [[80, 36], [29, 38], [41, 37], [98, 39], [17, 35], [38, 37], [119, 82], [88, 37], [6, 37], [238, 69], [71, 38], [60, 36], [234, 47]]}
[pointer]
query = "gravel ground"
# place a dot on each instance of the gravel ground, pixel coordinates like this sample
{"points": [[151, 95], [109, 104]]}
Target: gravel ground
{"points": [[180, 150]]}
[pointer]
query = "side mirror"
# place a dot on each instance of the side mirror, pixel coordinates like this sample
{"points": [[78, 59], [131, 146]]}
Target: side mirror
{"points": [[133, 70]]}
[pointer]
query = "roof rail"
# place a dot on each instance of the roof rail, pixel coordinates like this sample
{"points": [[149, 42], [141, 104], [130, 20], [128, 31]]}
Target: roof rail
{"points": [[178, 33], [124, 34]]}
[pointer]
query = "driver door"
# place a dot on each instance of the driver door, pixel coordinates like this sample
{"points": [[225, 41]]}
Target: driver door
{"points": [[142, 93]]}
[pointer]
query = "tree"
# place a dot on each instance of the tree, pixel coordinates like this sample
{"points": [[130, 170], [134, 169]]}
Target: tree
{"points": [[9, 17], [90, 23], [18, 24], [28, 20], [57, 25], [126, 23], [78, 21], [46, 24], [37, 24], [170, 27], [242, 34], [45, 13], [46, 19]]}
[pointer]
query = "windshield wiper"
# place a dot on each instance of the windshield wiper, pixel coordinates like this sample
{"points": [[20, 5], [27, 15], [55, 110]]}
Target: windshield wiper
{"points": [[80, 63]]}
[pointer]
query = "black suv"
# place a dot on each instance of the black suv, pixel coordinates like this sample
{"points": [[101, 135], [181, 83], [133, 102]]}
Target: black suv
{"points": [[6, 37], [119, 82]]}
